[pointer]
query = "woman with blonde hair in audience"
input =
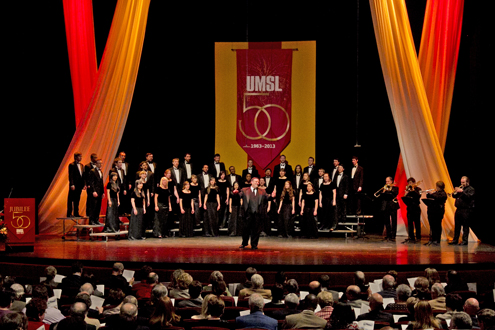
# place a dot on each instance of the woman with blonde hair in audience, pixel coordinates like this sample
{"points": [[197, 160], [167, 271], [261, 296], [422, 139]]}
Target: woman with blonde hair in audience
{"points": [[433, 277], [423, 317], [164, 315], [204, 308], [182, 291]]}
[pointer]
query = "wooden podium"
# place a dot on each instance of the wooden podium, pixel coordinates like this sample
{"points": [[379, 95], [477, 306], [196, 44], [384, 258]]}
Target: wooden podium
{"points": [[20, 220]]}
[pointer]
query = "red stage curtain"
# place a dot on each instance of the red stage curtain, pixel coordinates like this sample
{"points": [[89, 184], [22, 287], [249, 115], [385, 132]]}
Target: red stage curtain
{"points": [[100, 129], [410, 84], [79, 29]]}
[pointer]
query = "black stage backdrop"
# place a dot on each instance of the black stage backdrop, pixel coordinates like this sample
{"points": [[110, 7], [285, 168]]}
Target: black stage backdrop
{"points": [[173, 109]]}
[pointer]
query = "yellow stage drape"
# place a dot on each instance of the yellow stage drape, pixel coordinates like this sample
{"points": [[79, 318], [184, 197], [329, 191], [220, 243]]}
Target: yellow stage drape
{"points": [[421, 151], [100, 130]]}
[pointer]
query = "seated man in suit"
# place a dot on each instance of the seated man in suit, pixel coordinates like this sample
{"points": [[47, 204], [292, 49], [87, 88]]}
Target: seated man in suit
{"points": [[376, 312], [256, 319], [195, 299], [471, 307], [257, 287], [461, 320], [307, 318], [388, 285], [437, 297], [291, 303], [117, 280], [352, 294], [403, 293]]}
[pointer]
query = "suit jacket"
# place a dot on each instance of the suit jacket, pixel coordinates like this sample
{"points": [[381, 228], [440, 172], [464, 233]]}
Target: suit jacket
{"points": [[178, 181], [202, 183], [238, 178], [183, 166], [246, 292], [314, 172], [87, 168], [281, 314], [213, 170], [256, 320], [343, 188], [306, 319], [288, 171], [247, 195], [76, 177], [357, 181], [154, 167], [438, 303], [254, 173], [377, 315], [95, 183], [269, 185]]}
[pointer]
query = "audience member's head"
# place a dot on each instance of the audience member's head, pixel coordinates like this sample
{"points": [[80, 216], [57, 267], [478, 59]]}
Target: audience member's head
{"points": [[77, 268], [14, 321], [173, 278], [376, 301], [128, 312], [195, 289], [256, 302], [437, 290], [359, 278], [324, 280], [410, 303], [6, 297], [461, 320], [118, 268], [250, 271], [388, 282], [311, 302], [158, 292], [142, 274], [314, 287], [18, 291], [50, 273], [216, 307], [423, 316], [486, 319], [84, 298], [130, 300], [152, 278], [394, 274], [325, 299], [164, 314], [79, 309], [471, 306], [277, 293], [422, 285], [352, 292], [88, 288], [41, 291], [454, 302], [216, 276], [291, 301], [292, 286], [257, 281], [280, 277], [432, 275], [403, 293], [115, 296], [184, 280], [219, 288], [35, 309]]}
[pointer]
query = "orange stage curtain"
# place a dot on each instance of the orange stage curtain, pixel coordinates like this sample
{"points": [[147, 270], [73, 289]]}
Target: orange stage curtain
{"points": [[100, 129], [421, 150], [79, 29]]}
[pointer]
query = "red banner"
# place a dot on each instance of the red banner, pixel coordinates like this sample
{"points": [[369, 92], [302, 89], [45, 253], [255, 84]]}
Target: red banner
{"points": [[20, 217], [264, 102]]}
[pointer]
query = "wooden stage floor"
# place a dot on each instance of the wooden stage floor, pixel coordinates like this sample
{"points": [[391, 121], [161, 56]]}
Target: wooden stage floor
{"points": [[202, 252]]}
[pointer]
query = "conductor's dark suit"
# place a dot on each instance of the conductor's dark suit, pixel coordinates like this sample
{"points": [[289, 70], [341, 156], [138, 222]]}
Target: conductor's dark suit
{"points": [[76, 181], [252, 203]]}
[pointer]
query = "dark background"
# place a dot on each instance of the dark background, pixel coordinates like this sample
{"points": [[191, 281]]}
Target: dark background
{"points": [[174, 101]]}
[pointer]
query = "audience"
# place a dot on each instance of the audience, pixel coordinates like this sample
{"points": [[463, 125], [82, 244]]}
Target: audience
{"points": [[453, 303], [195, 299], [291, 303], [250, 271], [277, 297], [376, 312], [461, 320], [325, 300], [423, 317], [14, 321], [164, 314], [471, 307], [256, 318], [403, 293], [454, 282], [352, 295], [437, 301], [486, 318], [143, 289], [52, 314], [432, 276], [117, 280], [388, 287], [182, 289], [35, 312], [360, 281], [307, 318], [422, 289], [257, 287], [6, 300], [18, 304]]}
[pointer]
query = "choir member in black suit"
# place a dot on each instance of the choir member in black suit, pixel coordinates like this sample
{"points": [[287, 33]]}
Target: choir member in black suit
{"points": [[251, 169], [121, 181], [269, 182], [95, 193], [342, 184], [335, 170], [235, 209], [464, 202], [138, 203], [296, 185], [203, 181], [125, 200], [311, 169], [286, 210], [355, 187], [87, 168], [216, 167], [224, 191], [178, 177], [151, 164], [76, 185], [319, 180], [113, 201], [387, 197], [283, 165], [161, 226], [412, 198], [327, 203], [253, 200], [186, 224], [211, 204], [265, 214], [436, 211], [187, 165], [233, 177], [196, 196], [309, 210]]}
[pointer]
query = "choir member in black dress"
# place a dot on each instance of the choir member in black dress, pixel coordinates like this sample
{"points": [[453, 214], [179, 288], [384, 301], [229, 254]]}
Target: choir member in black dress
{"points": [[327, 203], [286, 210], [296, 185], [112, 217], [223, 191], [235, 209], [247, 181], [161, 226], [196, 196], [465, 206], [138, 204], [211, 204], [149, 189], [122, 182], [95, 193], [309, 210], [389, 205], [303, 188], [436, 211], [186, 224], [76, 185], [412, 198]]}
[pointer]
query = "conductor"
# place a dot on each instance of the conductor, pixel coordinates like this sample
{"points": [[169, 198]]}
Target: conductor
{"points": [[252, 200]]}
